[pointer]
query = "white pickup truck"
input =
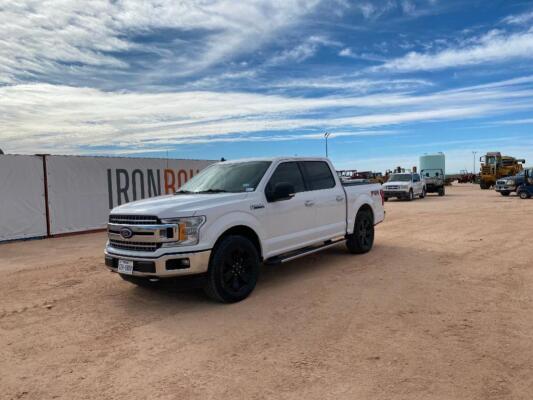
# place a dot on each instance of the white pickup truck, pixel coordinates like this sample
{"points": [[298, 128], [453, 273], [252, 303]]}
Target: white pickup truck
{"points": [[234, 215], [405, 185]]}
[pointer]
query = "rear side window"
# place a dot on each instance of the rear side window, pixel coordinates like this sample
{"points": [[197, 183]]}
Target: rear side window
{"points": [[318, 175], [288, 172]]}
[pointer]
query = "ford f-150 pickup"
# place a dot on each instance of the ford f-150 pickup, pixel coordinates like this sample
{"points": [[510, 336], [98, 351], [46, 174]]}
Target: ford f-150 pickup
{"points": [[234, 215]]}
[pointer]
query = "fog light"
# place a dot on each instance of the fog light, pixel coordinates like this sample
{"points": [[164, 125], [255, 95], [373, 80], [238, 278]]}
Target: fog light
{"points": [[181, 263]]}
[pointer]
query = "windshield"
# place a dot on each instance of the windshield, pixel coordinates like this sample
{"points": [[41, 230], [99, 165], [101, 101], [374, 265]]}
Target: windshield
{"points": [[431, 173], [227, 177], [491, 160], [400, 178]]}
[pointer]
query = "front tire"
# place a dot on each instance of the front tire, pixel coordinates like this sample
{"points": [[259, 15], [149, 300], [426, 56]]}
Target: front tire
{"points": [[233, 270], [505, 193], [423, 194], [411, 195], [362, 238], [523, 195]]}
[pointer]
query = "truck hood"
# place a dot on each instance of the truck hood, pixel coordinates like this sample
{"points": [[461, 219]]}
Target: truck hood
{"points": [[179, 205]]}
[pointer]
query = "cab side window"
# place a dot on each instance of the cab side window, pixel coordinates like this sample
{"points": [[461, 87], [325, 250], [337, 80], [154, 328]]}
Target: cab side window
{"points": [[416, 178], [288, 172], [318, 175]]}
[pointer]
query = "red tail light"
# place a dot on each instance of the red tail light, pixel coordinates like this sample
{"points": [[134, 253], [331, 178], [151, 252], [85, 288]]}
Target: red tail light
{"points": [[382, 193]]}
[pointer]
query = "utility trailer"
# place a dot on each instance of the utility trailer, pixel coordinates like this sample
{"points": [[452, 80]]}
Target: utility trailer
{"points": [[433, 171]]}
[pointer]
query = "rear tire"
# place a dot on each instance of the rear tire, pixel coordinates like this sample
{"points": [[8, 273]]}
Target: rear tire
{"points": [[233, 270], [484, 185], [362, 238]]}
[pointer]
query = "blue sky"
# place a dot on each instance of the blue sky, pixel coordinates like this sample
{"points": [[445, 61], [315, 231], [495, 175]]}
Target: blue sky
{"points": [[390, 80]]}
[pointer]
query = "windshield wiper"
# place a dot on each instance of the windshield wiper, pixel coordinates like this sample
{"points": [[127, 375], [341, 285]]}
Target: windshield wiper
{"points": [[212, 191], [183, 192]]}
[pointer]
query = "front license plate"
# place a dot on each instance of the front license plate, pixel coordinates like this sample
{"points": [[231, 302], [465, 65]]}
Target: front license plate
{"points": [[125, 267]]}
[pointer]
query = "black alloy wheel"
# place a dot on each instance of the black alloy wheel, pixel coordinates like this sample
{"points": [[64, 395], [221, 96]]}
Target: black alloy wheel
{"points": [[362, 238], [233, 270]]}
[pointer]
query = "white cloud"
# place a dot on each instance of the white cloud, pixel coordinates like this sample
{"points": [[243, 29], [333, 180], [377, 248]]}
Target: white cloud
{"points": [[519, 19], [49, 38], [351, 83], [346, 52], [301, 52], [520, 121], [48, 118], [494, 47]]}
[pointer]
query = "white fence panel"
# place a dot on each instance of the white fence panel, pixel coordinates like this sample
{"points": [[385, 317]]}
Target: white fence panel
{"points": [[82, 190], [22, 203]]}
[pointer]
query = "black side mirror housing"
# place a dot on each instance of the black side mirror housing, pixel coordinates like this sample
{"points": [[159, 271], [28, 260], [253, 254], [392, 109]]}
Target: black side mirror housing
{"points": [[282, 191]]}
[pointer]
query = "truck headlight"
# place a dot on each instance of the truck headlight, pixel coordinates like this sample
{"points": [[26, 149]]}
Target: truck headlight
{"points": [[188, 230], [509, 182], [404, 186]]}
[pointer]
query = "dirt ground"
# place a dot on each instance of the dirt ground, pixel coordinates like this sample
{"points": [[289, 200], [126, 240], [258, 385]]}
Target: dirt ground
{"points": [[441, 308]]}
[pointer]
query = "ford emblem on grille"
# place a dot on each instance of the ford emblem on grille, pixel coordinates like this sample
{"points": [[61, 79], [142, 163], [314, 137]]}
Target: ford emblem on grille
{"points": [[126, 233]]}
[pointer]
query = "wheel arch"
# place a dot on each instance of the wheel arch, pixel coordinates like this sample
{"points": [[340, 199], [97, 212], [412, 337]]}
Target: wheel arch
{"points": [[366, 208], [245, 231]]}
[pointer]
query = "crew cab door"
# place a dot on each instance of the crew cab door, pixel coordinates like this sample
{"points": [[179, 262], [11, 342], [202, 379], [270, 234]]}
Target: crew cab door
{"points": [[418, 185], [329, 199], [289, 224]]}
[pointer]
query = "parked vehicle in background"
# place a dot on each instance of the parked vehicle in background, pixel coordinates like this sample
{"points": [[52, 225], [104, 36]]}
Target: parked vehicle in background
{"points": [[466, 177], [433, 171], [495, 166], [236, 214], [509, 184], [368, 176], [404, 186], [525, 190]]}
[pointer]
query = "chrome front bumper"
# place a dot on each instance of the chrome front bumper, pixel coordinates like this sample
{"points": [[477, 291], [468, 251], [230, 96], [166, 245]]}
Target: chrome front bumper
{"points": [[505, 188], [158, 267]]}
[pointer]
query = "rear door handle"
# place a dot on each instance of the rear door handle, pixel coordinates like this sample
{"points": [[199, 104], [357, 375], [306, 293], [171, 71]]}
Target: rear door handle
{"points": [[339, 198], [309, 203]]}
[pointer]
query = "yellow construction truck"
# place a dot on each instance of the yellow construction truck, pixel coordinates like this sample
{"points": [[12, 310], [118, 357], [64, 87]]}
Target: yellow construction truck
{"points": [[495, 166]]}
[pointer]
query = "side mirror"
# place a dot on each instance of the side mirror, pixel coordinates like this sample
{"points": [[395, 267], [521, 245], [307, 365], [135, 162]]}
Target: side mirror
{"points": [[282, 191]]}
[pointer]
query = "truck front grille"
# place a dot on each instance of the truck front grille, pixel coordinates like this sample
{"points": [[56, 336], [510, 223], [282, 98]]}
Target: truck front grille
{"points": [[134, 246], [133, 219]]}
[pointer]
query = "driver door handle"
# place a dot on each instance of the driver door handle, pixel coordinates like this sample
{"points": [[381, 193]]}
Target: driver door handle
{"points": [[309, 203], [339, 198]]}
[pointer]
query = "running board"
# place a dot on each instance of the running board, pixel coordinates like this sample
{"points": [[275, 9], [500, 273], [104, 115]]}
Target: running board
{"points": [[302, 252]]}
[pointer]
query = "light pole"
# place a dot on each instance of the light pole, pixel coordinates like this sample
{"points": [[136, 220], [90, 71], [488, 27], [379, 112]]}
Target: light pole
{"points": [[474, 170], [326, 135]]}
